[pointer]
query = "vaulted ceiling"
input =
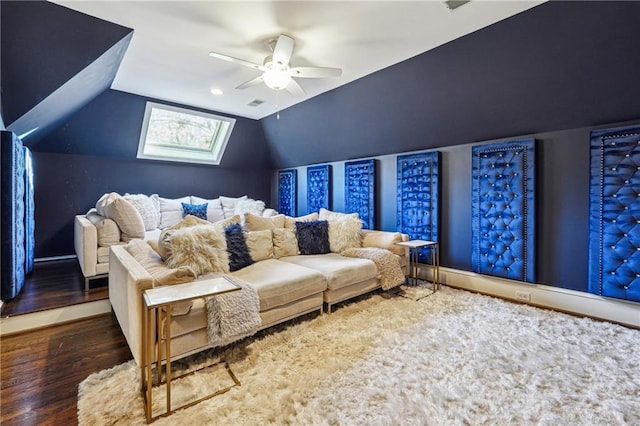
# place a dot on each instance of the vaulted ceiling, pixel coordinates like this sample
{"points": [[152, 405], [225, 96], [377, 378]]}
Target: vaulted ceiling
{"points": [[168, 58]]}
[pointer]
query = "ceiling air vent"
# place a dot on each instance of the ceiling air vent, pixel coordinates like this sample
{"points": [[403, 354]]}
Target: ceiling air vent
{"points": [[454, 4], [256, 102]]}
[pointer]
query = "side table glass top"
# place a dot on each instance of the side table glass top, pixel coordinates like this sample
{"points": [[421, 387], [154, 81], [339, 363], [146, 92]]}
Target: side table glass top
{"points": [[175, 293], [416, 243]]}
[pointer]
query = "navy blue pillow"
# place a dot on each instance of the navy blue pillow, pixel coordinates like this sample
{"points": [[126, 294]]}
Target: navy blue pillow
{"points": [[197, 210], [313, 237], [239, 256]]}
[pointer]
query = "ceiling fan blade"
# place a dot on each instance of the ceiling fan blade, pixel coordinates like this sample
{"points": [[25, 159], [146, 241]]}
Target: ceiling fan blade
{"points": [[283, 50], [250, 83], [315, 72], [294, 88], [236, 61]]}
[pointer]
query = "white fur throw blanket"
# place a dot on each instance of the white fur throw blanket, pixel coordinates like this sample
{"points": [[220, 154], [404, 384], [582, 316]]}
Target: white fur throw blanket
{"points": [[389, 271], [233, 316]]}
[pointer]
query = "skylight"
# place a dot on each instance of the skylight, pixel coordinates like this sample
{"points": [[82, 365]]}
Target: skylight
{"points": [[178, 134]]}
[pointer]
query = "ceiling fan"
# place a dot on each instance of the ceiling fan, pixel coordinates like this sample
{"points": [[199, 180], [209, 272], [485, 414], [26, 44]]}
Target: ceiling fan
{"points": [[277, 73]]}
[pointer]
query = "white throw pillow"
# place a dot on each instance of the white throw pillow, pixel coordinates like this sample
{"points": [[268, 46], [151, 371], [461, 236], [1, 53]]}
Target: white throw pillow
{"points": [[146, 208], [171, 210], [255, 207], [229, 205], [214, 208], [328, 215], [344, 234]]}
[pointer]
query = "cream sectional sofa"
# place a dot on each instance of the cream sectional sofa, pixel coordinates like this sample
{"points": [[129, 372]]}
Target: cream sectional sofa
{"points": [[287, 287], [95, 232]]}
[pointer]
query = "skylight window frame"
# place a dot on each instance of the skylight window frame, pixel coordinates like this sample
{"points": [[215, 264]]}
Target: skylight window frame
{"points": [[184, 154]]}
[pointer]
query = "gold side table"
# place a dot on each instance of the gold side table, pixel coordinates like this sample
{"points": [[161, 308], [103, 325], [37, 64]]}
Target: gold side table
{"points": [[434, 248], [160, 300]]}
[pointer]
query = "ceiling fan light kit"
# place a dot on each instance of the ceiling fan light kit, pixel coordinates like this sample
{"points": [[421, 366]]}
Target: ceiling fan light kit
{"points": [[277, 73]]}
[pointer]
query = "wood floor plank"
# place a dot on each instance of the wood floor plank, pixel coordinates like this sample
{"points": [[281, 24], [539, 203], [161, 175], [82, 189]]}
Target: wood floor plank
{"points": [[40, 370]]}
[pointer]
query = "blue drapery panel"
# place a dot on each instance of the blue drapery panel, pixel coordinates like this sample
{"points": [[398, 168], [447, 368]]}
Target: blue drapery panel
{"points": [[12, 251], [29, 212], [614, 219], [359, 190], [318, 188], [503, 210], [287, 190], [417, 197]]}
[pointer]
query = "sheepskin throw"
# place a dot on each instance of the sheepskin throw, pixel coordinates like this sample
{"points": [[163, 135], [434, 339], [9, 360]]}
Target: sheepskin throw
{"points": [[388, 264], [201, 247], [233, 316]]}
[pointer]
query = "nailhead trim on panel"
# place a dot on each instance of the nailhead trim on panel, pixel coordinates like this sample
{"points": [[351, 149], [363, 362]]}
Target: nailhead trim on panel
{"points": [[287, 190], [318, 188], [417, 197], [614, 240], [503, 209], [359, 190]]}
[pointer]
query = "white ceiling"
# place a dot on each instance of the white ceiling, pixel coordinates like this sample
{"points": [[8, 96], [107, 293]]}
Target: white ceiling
{"points": [[168, 55]]}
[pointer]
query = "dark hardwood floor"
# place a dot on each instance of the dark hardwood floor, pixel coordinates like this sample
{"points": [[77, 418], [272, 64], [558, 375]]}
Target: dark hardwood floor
{"points": [[40, 370], [54, 284]]}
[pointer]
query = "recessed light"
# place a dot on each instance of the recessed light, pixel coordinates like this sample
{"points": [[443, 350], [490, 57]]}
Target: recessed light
{"points": [[216, 92]]}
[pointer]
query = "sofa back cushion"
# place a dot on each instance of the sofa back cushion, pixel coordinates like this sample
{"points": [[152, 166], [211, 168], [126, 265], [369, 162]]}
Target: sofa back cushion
{"points": [[313, 237], [285, 243], [260, 244], [229, 205], [258, 223], [203, 248], [214, 208], [290, 222], [123, 213], [170, 210]]}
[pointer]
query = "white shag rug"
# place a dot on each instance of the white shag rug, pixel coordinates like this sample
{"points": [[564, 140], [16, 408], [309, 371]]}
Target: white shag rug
{"points": [[454, 358]]}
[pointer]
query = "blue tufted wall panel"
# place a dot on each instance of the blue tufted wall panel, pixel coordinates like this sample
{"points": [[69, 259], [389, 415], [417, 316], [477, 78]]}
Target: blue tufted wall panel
{"points": [[29, 212], [287, 192], [359, 190], [12, 251], [318, 188], [614, 220], [417, 197], [503, 210]]}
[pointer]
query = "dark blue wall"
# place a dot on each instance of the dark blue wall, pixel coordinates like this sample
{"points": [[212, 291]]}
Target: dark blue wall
{"points": [[95, 152], [560, 65], [554, 73]]}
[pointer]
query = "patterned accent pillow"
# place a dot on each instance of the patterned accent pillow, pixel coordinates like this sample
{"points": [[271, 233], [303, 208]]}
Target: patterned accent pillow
{"points": [[197, 210], [313, 237], [239, 256]]}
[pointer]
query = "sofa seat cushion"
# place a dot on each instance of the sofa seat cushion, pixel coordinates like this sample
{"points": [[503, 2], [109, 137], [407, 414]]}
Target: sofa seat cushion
{"points": [[279, 282], [340, 271], [103, 254]]}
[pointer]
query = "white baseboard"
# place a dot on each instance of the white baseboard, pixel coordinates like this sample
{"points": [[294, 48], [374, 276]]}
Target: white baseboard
{"points": [[576, 302], [49, 259], [34, 320]]}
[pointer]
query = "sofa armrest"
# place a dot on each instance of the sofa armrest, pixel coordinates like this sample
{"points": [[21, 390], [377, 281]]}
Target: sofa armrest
{"points": [[386, 240], [127, 280], [85, 241]]}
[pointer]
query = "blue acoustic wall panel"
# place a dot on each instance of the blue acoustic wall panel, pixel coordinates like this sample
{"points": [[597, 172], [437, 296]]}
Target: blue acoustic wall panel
{"points": [[287, 192], [12, 251], [29, 212], [614, 220], [503, 210], [359, 190], [318, 188], [417, 196]]}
